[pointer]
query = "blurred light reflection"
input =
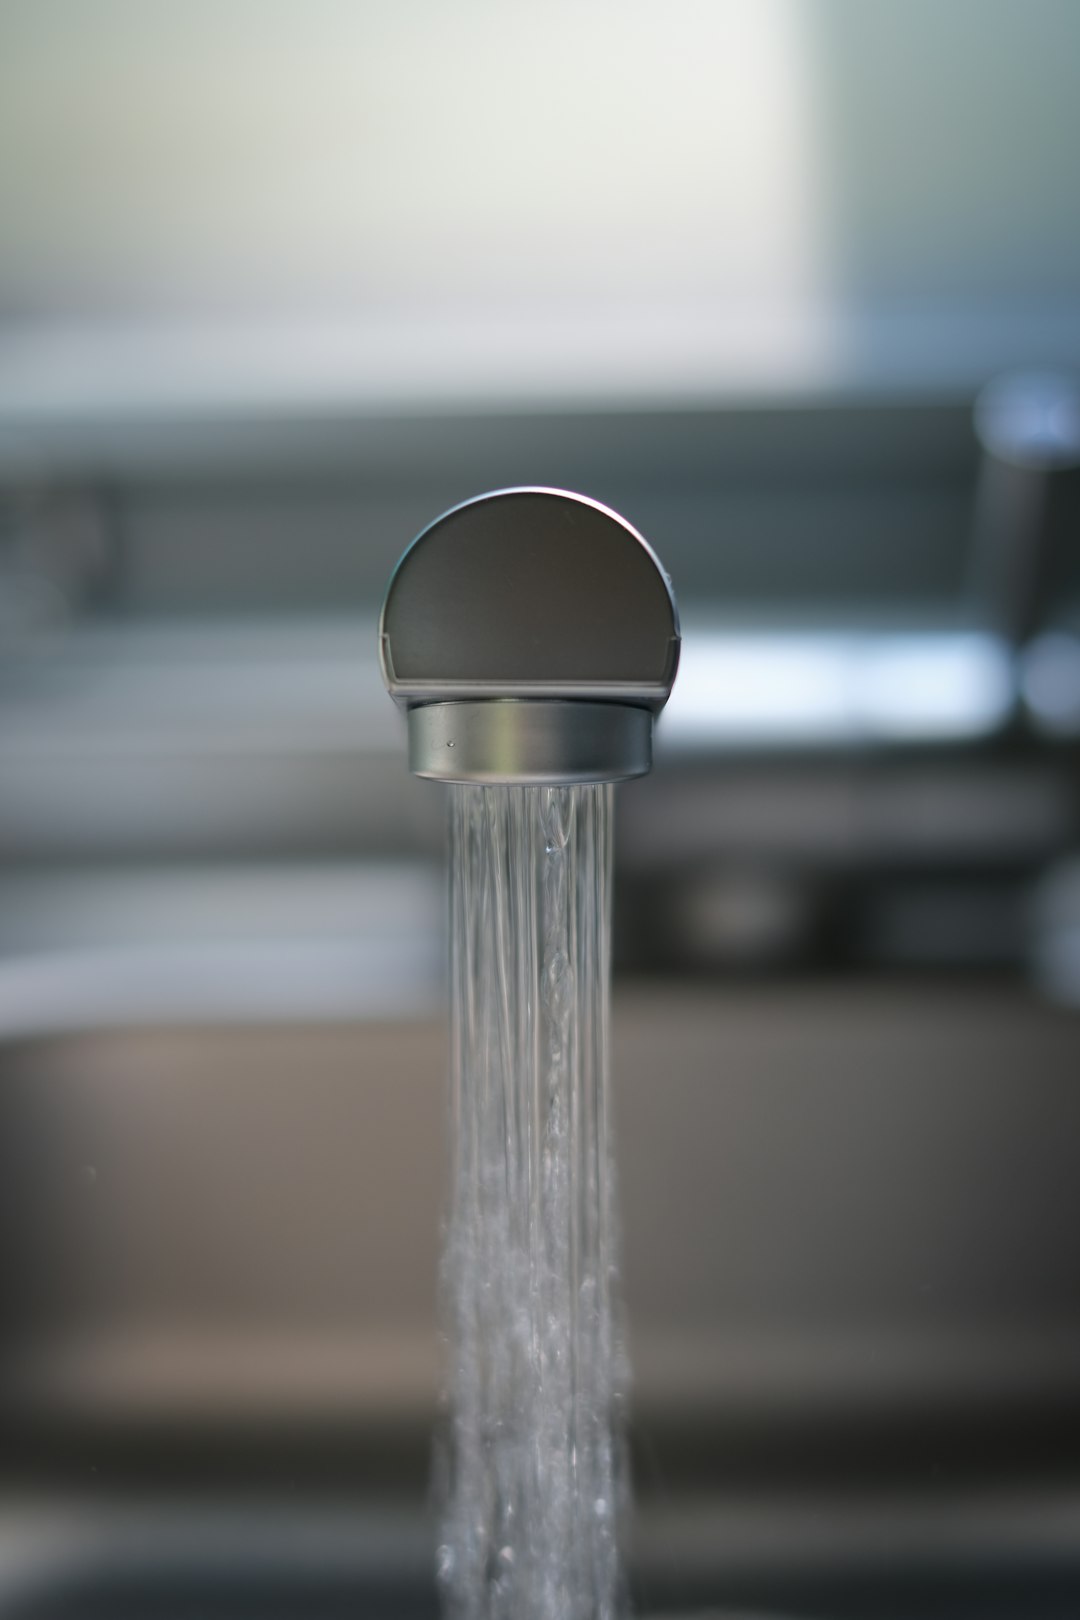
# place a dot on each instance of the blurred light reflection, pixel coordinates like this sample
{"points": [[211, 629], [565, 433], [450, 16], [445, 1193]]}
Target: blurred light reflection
{"points": [[837, 688]]}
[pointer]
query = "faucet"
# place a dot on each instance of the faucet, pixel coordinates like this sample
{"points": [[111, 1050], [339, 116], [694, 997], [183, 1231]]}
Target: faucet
{"points": [[531, 636]]}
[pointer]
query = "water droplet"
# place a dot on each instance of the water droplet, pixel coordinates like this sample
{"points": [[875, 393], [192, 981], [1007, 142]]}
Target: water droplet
{"points": [[444, 1563], [506, 1554], [556, 818], [451, 745]]}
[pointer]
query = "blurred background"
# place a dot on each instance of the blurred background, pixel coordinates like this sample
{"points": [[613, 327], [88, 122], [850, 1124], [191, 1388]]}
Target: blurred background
{"points": [[795, 286]]}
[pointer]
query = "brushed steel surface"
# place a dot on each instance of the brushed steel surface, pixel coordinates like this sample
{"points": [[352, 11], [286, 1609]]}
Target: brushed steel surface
{"points": [[550, 610], [514, 740]]}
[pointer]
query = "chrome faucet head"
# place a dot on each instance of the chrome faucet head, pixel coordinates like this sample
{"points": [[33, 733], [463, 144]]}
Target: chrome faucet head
{"points": [[530, 635]]}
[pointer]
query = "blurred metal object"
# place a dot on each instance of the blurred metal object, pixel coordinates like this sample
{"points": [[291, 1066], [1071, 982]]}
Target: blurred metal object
{"points": [[1028, 425], [530, 635], [1050, 681], [757, 917], [55, 544], [258, 943], [1055, 930]]}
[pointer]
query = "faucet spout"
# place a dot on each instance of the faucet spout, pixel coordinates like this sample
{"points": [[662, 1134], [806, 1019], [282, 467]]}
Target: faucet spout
{"points": [[531, 636]]}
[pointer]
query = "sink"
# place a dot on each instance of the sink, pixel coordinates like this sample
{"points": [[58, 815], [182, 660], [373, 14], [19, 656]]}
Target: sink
{"points": [[851, 1222]]}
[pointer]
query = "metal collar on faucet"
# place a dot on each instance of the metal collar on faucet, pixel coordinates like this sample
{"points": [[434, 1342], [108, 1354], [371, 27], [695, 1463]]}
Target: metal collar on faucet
{"points": [[531, 636]]}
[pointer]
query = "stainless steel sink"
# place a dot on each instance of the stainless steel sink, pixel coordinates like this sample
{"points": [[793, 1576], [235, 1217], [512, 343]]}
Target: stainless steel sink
{"points": [[851, 1232]]}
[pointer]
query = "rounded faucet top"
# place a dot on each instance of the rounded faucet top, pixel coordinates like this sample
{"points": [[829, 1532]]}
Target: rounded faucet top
{"points": [[530, 593], [509, 620]]}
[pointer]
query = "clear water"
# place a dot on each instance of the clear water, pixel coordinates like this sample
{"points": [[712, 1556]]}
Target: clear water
{"points": [[534, 1468]]}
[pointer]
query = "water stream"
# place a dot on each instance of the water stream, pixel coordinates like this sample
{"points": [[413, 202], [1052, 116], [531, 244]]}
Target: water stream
{"points": [[534, 1473]]}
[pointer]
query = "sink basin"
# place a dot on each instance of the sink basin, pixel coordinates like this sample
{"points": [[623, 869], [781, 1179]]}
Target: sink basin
{"points": [[851, 1221]]}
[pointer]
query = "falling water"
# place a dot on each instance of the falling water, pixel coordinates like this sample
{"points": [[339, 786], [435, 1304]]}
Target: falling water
{"points": [[534, 1466]]}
